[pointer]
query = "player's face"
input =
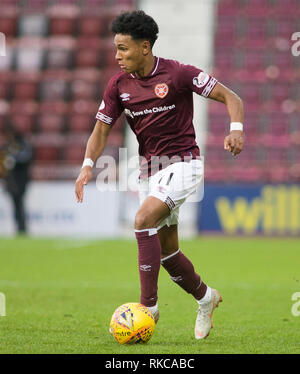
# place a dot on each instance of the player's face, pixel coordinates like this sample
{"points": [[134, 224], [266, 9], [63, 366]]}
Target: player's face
{"points": [[131, 53]]}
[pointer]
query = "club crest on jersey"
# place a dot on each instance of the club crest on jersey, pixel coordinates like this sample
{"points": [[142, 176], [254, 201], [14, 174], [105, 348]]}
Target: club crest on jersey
{"points": [[161, 90]]}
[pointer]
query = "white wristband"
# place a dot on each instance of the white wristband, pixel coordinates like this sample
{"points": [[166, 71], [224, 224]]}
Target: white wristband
{"points": [[236, 126], [87, 162]]}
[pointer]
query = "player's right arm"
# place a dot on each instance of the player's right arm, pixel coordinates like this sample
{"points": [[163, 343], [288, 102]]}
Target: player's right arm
{"points": [[95, 146], [109, 111]]}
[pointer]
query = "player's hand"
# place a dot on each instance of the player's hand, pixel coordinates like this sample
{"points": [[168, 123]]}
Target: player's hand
{"points": [[234, 142], [83, 179]]}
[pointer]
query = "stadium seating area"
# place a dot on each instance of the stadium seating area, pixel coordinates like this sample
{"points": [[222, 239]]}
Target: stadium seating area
{"points": [[253, 57], [59, 57]]}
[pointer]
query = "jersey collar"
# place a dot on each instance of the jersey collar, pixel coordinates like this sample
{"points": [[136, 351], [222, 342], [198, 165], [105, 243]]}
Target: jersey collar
{"points": [[155, 67]]}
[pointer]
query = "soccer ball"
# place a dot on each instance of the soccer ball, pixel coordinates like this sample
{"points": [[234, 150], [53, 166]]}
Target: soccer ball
{"points": [[132, 323]]}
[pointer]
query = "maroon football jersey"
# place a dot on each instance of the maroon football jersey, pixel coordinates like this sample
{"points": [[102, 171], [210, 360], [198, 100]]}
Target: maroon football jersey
{"points": [[158, 108]]}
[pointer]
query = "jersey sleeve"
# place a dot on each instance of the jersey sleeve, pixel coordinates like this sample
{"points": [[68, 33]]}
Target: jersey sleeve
{"points": [[110, 108], [197, 80]]}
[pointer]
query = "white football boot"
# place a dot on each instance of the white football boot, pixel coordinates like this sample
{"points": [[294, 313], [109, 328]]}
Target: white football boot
{"points": [[204, 315], [156, 316], [155, 312]]}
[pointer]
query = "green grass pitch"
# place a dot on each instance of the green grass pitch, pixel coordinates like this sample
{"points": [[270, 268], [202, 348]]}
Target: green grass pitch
{"points": [[60, 295]]}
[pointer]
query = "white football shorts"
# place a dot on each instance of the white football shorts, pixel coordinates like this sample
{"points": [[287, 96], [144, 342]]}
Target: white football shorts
{"points": [[173, 185]]}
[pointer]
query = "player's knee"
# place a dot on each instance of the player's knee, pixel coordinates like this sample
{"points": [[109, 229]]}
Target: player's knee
{"points": [[143, 220]]}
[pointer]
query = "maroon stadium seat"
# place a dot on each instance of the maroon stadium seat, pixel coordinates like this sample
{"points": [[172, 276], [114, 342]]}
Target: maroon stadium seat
{"points": [[55, 73], [5, 86], [259, 66], [88, 58], [24, 106], [279, 91], [74, 153], [46, 153], [227, 32], [51, 122], [8, 21], [277, 134], [249, 174], [295, 91], [252, 126], [23, 115], [217, 123], [256, 27], [62, 20], [22, 123], [52, 117], [49, 107], [84, 89], [214, 172], [81, 123], [287, 7], [84, 107], [123, 3], [294, 154], [90, 42], [215, 154], [228, 7], [89, 25], [216, 130], [39, 6], [110, 57], [75, 139], [86, 84], [282, 59], [252, 92], [224, 59], [281, 26], [254, 60], [93, 5], [294, 172], [3, 121], [25, 86], [276, 155], [278, 174], [107, 73], [256, 8]]}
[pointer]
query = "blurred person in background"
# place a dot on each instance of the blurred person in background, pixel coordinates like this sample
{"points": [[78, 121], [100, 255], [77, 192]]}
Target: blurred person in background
{"points": [[15, 159]]}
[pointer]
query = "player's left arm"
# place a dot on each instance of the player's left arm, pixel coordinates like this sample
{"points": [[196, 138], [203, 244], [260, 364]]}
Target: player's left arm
{"points": [[235, 140]]}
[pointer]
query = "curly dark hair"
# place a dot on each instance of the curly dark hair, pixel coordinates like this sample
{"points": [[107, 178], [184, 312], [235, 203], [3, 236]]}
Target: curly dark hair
{"points": [[137, 24]]}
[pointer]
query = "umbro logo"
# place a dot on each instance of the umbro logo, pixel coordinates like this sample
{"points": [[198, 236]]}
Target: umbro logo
{"points": [[125, 96], [145, 267]]}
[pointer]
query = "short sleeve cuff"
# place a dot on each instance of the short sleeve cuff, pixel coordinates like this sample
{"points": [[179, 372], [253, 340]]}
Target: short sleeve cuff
{"points": [[209, 87], [104, 118]]}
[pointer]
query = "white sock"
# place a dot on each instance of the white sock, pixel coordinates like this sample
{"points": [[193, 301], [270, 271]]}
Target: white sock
{"points": [[206, 298], [153, 309]]}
